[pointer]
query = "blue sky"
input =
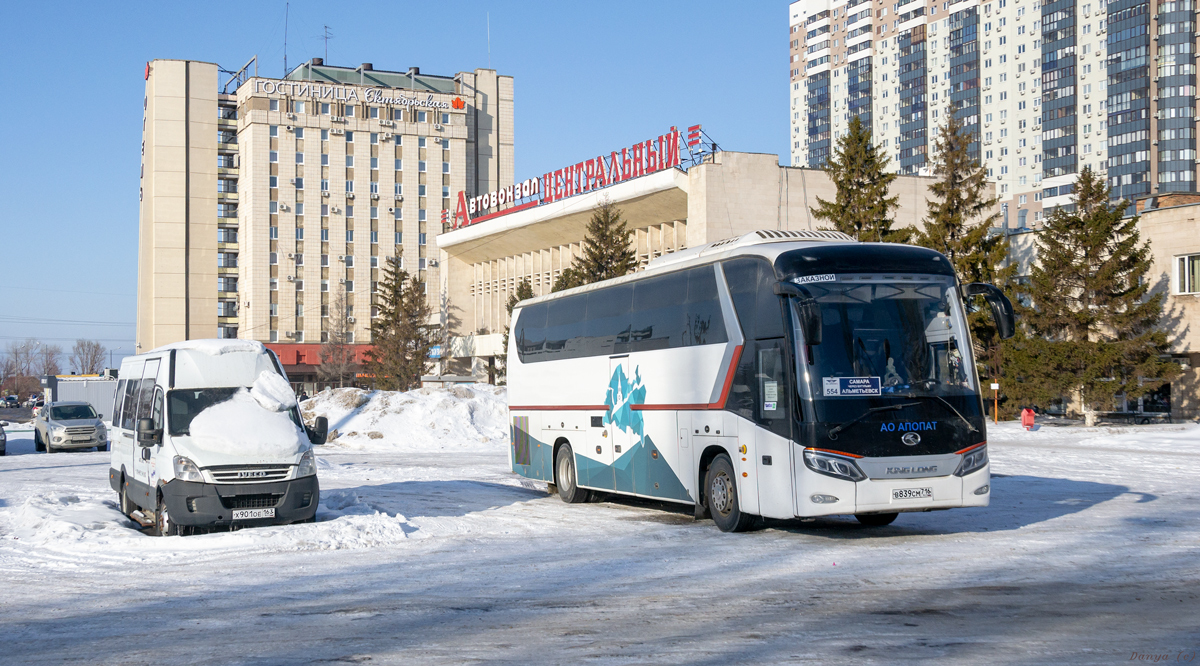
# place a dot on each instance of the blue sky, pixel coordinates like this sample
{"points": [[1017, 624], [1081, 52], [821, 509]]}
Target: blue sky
{"points": [[589, 77]]}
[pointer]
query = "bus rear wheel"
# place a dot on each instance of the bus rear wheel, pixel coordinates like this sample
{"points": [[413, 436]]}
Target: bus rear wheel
{"points": [[564, 477], [876, 519], [721, 484]]}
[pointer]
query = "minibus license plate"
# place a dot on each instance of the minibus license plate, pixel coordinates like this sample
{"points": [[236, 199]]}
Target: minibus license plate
{"points": [[912, 493], [251, 514]]}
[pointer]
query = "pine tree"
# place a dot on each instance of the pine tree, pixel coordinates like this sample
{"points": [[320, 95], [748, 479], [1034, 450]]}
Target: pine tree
{"points": [[958, 225], [336, 357], [523, 292], [862, 207], [607, 250], [1093, 326], [401, 334]]}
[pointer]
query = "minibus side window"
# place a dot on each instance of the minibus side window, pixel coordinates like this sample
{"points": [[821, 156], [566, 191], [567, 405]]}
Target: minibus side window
{"points": [[118, 400], [158, 409], [129, 408]]}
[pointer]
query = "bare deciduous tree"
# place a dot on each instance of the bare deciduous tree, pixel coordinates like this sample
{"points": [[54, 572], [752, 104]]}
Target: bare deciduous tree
{"points": [[337, 353], [49, 360], [87, 357]]}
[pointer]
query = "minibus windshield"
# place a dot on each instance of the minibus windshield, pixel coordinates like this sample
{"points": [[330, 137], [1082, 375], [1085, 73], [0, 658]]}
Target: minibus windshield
{"points": [[183, 406], [902, 337]]}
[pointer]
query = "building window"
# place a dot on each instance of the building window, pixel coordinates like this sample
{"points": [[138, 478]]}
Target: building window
{"points": [[374, 163], [421, 215], [324, 258], [350, 160], [349, 211], [273, 182], [324, 112], [324, 159], [399, 238], [274, 130], [399, 188], [324, 285], [324, 135], [298, 182], [349, 259], [299, 287], [299, 233], [324, 210], [349, 235], [445, 119], [227, 283], [422, 117], [298, 106], [299, 209], [374, 237], [325, 237], [374, 212], [299, 158], [350, 186], [273, 156], [1188, 274], [374, 138], [272, 207], [299, 259], [274, 284], [227, 210], [375, 188], [421, 263], [324, 184], [374, 259], [274, 334], [373, 112], [299, 132], [349, 112], [349, 285], [274, 233], [399, 165], [274, 105], [349, 137], [445, 167], [421, 167], [374, 288], [420, 142], [420, 239], [227, 236]]}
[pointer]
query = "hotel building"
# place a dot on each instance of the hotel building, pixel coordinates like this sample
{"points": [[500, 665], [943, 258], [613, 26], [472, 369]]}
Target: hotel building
{"points": [[263, 199]]}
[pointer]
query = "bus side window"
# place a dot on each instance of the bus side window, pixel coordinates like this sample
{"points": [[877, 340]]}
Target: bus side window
{"points": [[773, 394]]}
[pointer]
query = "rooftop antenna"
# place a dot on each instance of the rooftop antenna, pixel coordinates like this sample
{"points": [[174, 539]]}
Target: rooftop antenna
{"points": [[327, 36], [286, 7], [489, 39]]}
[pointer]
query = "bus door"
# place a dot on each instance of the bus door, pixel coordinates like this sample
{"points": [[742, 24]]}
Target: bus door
{"points": [[621, 425]]}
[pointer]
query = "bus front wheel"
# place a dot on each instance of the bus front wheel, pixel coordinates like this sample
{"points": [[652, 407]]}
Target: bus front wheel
{"points": [[721, 483], [876, 519], [565, 479]]}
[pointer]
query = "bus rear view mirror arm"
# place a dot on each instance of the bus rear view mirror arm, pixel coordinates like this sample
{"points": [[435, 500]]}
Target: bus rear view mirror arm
{"points": [[807, 309], [147, 434], [320, 430], [1002, 308]]}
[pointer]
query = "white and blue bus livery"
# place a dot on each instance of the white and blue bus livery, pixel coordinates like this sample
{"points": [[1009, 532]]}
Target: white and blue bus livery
{"points": [[780, 374]]}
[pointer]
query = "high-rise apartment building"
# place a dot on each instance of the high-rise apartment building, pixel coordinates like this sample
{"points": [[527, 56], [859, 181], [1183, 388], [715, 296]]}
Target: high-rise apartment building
{"points": [[1047, 89], [264, 199]]}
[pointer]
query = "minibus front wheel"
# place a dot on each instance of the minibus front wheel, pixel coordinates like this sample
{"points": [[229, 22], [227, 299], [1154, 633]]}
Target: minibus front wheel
{"points": [[162, 519]]}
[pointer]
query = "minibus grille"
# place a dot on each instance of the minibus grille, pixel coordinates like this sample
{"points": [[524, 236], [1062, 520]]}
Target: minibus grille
{"points": [[261, 501], [251, 474]]}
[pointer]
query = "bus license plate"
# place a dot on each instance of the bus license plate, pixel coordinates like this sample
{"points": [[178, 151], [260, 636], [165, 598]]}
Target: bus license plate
{"points": [[251, 514], [912, 493]]}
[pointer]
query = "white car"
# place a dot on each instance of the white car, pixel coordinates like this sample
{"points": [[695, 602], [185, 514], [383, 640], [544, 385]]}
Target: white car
{"points": [[69, 425], [208, 433]]}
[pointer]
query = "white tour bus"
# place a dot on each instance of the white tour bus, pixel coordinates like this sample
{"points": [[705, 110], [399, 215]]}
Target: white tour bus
{"points": [[208, 433], [780, 374]]}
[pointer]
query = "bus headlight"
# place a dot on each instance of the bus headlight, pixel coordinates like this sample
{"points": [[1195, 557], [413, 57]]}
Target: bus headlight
{"points": [[307, 466], [186, 470], [830, 464], [972, 461]]}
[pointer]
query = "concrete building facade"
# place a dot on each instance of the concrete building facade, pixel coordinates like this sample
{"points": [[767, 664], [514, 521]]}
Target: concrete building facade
{"points": [[264, 199], [1047, 88]]}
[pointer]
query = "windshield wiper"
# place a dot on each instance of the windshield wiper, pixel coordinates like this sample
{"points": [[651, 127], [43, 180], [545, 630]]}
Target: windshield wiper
{"points": [[889, 408], [945, 402]]}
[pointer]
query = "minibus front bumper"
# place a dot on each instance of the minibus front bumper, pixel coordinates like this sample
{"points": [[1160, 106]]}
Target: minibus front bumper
{"points": [[192, 503]]}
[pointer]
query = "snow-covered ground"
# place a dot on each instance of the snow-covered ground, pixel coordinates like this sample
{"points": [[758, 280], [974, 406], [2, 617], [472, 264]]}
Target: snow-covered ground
{"points": [[427, 549]]}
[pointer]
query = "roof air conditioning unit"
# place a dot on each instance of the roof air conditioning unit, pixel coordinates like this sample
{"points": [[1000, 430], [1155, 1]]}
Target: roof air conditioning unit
{"points": [[291, 255], [337, 119], [433, 263], [349, 195], [291, 116], [293, 181], [391, 210], [325, 194], [387, 136], [437, 127]]}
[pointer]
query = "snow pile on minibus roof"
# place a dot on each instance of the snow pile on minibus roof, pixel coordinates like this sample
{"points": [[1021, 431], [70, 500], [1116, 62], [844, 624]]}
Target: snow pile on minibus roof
{"points": [[467, 417], [214, 347]]}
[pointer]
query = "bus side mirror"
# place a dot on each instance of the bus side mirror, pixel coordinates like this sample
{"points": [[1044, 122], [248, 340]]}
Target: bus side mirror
{"points": [[1002, 308], [147, 434], [320, 430], [807, 310]]}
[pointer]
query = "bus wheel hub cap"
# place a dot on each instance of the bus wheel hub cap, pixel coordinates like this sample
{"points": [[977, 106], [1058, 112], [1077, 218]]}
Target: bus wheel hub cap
{"points": [[720, 494]]}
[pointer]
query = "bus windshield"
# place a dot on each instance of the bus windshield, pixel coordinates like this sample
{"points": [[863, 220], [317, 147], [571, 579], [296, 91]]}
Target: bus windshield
{"points": [[900, 336]]}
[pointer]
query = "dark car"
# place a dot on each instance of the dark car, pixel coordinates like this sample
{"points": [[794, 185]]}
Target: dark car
{"points": [[3, 440], [12, 402]]}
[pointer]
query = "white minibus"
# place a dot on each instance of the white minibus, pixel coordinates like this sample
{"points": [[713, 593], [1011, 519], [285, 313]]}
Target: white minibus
{"points": [[780, 374], [208, 433]]}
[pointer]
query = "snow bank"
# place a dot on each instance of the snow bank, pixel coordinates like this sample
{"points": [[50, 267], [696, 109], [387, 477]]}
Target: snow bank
{"points": [[468, 417], [241, 426], [273, 392]]}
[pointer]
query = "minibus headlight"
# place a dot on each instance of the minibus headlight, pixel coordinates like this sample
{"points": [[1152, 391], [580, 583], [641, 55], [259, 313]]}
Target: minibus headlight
{"points": [[972, 461], [833, 465], [307, 466], [186, 470]]}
